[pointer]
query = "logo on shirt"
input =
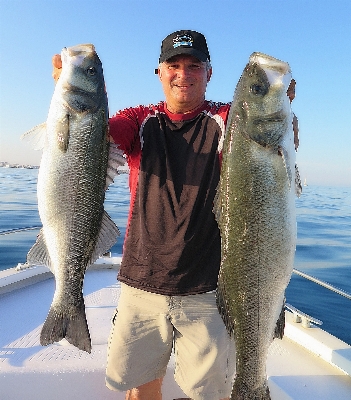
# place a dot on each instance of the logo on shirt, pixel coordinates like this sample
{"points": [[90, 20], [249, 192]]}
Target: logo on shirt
{"points": [[182, 40]]}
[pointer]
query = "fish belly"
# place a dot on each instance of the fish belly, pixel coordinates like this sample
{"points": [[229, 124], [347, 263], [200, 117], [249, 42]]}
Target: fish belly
{"points": [[258, 242], [70, 199]]}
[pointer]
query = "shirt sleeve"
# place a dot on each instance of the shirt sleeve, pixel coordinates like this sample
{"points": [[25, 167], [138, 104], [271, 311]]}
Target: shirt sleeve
{"points": [[124, 129]]}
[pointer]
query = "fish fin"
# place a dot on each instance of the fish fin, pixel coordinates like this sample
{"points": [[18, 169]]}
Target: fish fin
{"points": [[280, 325], [223, 307], [36, 136], [216, 204], [107, 237], [70, 324], [116, 159], [298, 185], [62, 132], [219, 202], [38, 254], [285, 157]]}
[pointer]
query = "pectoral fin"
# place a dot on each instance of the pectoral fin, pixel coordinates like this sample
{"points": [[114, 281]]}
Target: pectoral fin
{"points": [[62, 133], [115, 160], [36, 136], [285, 157], [107, 237]]}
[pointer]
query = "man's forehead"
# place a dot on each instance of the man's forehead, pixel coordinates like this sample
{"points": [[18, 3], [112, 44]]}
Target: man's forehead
{"points": [[183, 57]]}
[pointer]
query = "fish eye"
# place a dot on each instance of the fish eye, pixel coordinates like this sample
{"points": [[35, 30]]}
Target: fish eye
{"points": [[91, 71], [257, 89]]}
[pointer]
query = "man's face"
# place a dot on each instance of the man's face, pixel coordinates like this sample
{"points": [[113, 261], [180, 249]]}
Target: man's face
{"points": [[184, 79]]}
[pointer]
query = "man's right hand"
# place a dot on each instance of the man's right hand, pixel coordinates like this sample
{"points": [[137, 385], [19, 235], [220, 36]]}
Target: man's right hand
{"points": [[57, 64]]}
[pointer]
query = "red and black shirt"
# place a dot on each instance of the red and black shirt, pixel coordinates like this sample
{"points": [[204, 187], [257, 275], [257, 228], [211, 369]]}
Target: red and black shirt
{"points": [[172, 243]]}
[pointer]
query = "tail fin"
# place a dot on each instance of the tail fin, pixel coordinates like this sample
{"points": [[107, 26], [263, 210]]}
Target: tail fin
{"points": [[69, 323]]}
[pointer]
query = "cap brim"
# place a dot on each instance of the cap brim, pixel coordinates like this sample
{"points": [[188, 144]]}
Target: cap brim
{"points": [[183, 50]]}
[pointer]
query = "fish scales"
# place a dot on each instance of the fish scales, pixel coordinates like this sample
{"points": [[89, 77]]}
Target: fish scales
{"points": [[256, 215], [71, 191]]}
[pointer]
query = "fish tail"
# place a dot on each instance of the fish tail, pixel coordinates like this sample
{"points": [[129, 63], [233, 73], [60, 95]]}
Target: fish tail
{"points": [[71, 325]]}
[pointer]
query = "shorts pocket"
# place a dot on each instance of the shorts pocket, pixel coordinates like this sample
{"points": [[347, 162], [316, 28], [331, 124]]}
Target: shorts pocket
{"points": [[113, 320]]}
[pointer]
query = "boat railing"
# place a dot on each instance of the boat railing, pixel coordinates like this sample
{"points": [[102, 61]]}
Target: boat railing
{"points": [[322, 283], [30, 228], [300, 316]]}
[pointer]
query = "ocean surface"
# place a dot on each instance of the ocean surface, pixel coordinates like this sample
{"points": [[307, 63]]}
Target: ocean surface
{"points": [[323, 245]]}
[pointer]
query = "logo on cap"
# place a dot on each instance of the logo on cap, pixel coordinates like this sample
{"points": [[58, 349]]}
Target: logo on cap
{"points": [[182, 40]]}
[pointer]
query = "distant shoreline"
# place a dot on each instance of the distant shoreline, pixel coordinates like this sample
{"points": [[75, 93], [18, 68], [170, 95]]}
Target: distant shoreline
{"points": [[5, 164]]}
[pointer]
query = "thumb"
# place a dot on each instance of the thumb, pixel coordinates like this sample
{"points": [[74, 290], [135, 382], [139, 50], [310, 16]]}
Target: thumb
{"points": [[56, 61], [57, 64]]}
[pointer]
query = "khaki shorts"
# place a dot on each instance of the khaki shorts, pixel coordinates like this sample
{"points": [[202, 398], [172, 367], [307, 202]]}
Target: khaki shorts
{"points": [[147, 326]]}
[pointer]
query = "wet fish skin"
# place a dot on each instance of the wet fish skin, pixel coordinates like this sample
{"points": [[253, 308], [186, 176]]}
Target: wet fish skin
{"points": [[71, 190], [255, 211]]}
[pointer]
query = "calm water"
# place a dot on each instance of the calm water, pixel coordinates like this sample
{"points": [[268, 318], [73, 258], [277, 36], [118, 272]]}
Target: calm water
{"points": [[323, 247]]}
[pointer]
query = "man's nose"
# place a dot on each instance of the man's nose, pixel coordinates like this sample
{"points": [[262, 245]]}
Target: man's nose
{"points": [[183, 72]]}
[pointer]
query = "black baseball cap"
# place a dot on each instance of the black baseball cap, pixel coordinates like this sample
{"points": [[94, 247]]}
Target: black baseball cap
{"points": [[184, 42]]}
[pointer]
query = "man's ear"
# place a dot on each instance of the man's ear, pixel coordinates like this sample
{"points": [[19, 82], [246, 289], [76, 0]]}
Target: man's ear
{"points": [[159, 73], [209, 74]]}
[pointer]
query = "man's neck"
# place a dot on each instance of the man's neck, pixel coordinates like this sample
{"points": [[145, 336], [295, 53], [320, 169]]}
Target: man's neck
{"points": [[183, 110]]}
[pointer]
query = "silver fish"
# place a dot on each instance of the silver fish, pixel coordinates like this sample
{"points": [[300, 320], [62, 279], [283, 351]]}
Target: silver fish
{"points": [[255, 210], [77, 165]]}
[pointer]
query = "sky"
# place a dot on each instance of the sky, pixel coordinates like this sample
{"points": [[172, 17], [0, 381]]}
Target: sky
{"points": [[313, 36]]}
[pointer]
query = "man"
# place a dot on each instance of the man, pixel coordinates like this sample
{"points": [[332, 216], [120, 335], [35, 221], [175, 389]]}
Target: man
{"points": [[171, 254]]}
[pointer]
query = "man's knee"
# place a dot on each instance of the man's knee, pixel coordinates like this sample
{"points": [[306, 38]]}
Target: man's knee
{"points": [[148, 391]]}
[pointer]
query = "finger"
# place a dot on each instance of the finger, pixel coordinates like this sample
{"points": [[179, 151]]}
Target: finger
{"points": [[56, 61]]}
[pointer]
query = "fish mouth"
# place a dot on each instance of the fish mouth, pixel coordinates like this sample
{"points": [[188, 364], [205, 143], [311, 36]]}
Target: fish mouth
{"points": [[78, 100], [77, 54], [270, 63], [266, 131], [79, 49], [278, 116]]}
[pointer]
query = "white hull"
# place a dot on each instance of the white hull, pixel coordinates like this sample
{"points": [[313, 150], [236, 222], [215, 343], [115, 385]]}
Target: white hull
{"points": [[60, 371]]}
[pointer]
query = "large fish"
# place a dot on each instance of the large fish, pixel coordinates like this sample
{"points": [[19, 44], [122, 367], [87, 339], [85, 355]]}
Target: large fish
{"points": [[256, 214], [77, 165]]}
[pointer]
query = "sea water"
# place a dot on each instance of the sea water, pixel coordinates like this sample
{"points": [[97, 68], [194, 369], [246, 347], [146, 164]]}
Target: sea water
{"points": [[324, 251], [323, 244]]}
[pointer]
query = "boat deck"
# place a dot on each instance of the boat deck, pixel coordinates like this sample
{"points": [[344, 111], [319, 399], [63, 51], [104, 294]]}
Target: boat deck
{"points": [[60, 371]]}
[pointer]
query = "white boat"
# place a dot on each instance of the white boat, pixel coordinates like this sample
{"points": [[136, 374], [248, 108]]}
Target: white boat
{"points": [[308, 363]]}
